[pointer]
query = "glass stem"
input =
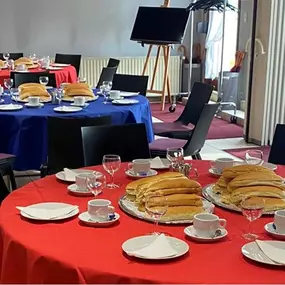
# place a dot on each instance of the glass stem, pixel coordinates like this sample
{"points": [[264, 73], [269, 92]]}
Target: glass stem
{"points": [[249, 227], [156, 225], [112, 179]]}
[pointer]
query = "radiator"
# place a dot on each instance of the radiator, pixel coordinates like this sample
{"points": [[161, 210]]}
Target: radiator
{"points": [[92, 67]]}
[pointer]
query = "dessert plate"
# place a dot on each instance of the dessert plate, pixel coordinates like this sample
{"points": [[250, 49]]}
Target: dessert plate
{"points": [[84, 106], [42, 100], [67, 109], [74, 190], [269, 228], [87, 99], [86, 219], [190, 232], [164, 164]]}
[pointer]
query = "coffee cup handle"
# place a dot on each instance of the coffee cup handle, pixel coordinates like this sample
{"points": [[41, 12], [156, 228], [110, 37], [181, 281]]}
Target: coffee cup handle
{"points": [[223, 223], [213, 164], [130, 166]]}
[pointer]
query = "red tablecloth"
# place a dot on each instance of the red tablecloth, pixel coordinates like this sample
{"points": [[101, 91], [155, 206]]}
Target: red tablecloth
{"points": [[67, 74], [67, 252]]}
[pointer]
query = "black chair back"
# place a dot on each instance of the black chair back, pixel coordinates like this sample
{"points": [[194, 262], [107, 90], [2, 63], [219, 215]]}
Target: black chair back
{"points": [[199, 134], [73, 59], [65, 141], [13, 56], [130, 83], [128, 141], [113, 62], [200, 95], [107, 74], [32, 77], [277, 151]]}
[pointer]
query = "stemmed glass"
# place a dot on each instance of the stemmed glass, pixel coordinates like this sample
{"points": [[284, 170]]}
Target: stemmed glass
{"points": [[6, 56], [254, 157], [252, 210], [105, 90], [8, 83], [33, 56], [44, 80], [175, 155], [111, 164], [156, 206]]}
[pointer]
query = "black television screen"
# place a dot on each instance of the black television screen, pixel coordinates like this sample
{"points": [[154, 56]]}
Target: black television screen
{"points": [[160, 25]]}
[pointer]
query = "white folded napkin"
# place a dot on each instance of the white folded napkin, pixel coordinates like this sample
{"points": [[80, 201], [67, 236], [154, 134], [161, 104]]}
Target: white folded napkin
{"points": [[69, 174], [45, 213], [159, 248], [274, 253], [156, 163]]}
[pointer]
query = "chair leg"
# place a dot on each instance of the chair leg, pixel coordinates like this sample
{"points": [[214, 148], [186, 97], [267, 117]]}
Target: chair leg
{"points": [[198, 155], [4, 191], [194, 157], [12, 178], [44, 171]]}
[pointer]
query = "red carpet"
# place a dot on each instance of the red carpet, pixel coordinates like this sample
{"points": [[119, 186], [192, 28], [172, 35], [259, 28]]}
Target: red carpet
{"points": [[240, 152], [219, 129]]}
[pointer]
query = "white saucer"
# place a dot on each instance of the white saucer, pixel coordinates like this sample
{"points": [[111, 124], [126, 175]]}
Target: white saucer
{"points": [[120, 98], [67, 109], [10, 107], [190, 232], [272, 231], [82, 106], [85, 218], [125, 102], [73, 189], [60, 64], [129, 94], [215, 172], [60, 175], [132, 175], [34, 106]]}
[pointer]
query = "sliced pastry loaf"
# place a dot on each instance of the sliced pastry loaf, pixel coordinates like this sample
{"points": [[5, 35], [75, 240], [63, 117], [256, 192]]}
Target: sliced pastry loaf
{"points": [[231, 173]]}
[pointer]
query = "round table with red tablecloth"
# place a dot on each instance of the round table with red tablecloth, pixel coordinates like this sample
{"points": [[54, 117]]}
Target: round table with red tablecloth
{"points": [[67, 252], [66, 74]]}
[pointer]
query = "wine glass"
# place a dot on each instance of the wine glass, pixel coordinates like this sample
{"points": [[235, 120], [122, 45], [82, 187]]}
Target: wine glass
{"points": [[175, 155], [254, 157], [111, 163], [252, 210], [15, 94], [59, 96], [44, 80], [105, 90], [33, 56], [156, 206], [8, 83], [6, 56]]}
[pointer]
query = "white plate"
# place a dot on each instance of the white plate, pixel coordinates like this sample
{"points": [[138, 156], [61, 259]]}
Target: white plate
{"points": [[86, 219], [252, 251], [190, 232], [54, 68], [87, 99], [51, 206], [132, 175], [271, 230], [164, 161], [42, 100], [180, 246], [34, 106], [215, 172], [132, 209], [67, 109], [60, 175], [60, 64], [84, 106], [125, 102], [73, 189], [129, 94], [10, 107]]}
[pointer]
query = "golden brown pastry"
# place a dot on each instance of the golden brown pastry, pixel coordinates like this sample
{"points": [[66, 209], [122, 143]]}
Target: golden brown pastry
{"points": [[270, 204], [231, 173], [70, 86], [28, 91], [79, 92], [2, 63], [24, 60], [30, 85]]}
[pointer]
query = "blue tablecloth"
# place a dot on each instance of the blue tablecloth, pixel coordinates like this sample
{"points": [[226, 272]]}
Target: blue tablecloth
{"points": [[24, 132]]}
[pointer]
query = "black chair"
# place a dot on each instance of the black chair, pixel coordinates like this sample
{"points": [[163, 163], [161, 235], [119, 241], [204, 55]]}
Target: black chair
{"points": [[73, 59], [197, 137], [65, 142], [113, 62], [200, 95], [277, 151], [32, 77], [128, 141], [13, 56], [130, 83], [107, 74]]}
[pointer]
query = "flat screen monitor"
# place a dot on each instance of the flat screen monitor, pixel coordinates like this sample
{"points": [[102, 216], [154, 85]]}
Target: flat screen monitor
{"points": [[160, 25]]}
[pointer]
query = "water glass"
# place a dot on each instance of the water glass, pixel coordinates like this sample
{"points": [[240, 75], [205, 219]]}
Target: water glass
{"points": [[156, 206], [254, 157], [44, 80], [8, 83], [105, 90], [100, 183], [111, 164], [175, 156], [252, 210], [6, 56], [59, 96]]}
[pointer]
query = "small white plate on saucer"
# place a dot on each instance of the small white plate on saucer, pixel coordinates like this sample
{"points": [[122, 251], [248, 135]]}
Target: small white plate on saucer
{"points": [[73, 190], [215, 172], [252, 251], [134, 176], [34, 106], [10, 107], [269, 228], [60, 175], [133, 244], [60, 64], [84, 106], [165, 163], [125, 102], [190, 232], [67, 109], [86, 219]]}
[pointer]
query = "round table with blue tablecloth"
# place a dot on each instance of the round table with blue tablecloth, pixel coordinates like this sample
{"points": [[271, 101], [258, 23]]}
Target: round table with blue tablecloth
{"points": [[24, 132]]}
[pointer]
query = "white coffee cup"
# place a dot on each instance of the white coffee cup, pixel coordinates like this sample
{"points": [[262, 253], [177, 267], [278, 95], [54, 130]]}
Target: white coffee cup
{"points": [[79, 100], [221, 163], [140, 167], [34, 100], [206, 224], [279, 221], [100, 209], [21, 67], [115, 94]]}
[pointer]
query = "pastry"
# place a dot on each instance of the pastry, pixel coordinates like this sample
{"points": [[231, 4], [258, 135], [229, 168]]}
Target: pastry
{"points": [[78, 92], [2, 63], [232, 172], [32, 90], [24, 60], [29, 85], [270, 204], [70, 86]]}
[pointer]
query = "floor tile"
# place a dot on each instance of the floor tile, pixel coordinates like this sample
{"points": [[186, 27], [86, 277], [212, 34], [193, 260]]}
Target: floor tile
{"points": [[231, 143]]}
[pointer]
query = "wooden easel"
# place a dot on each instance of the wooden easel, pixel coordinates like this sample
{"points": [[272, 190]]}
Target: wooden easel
{"points": [[166, 54]]}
